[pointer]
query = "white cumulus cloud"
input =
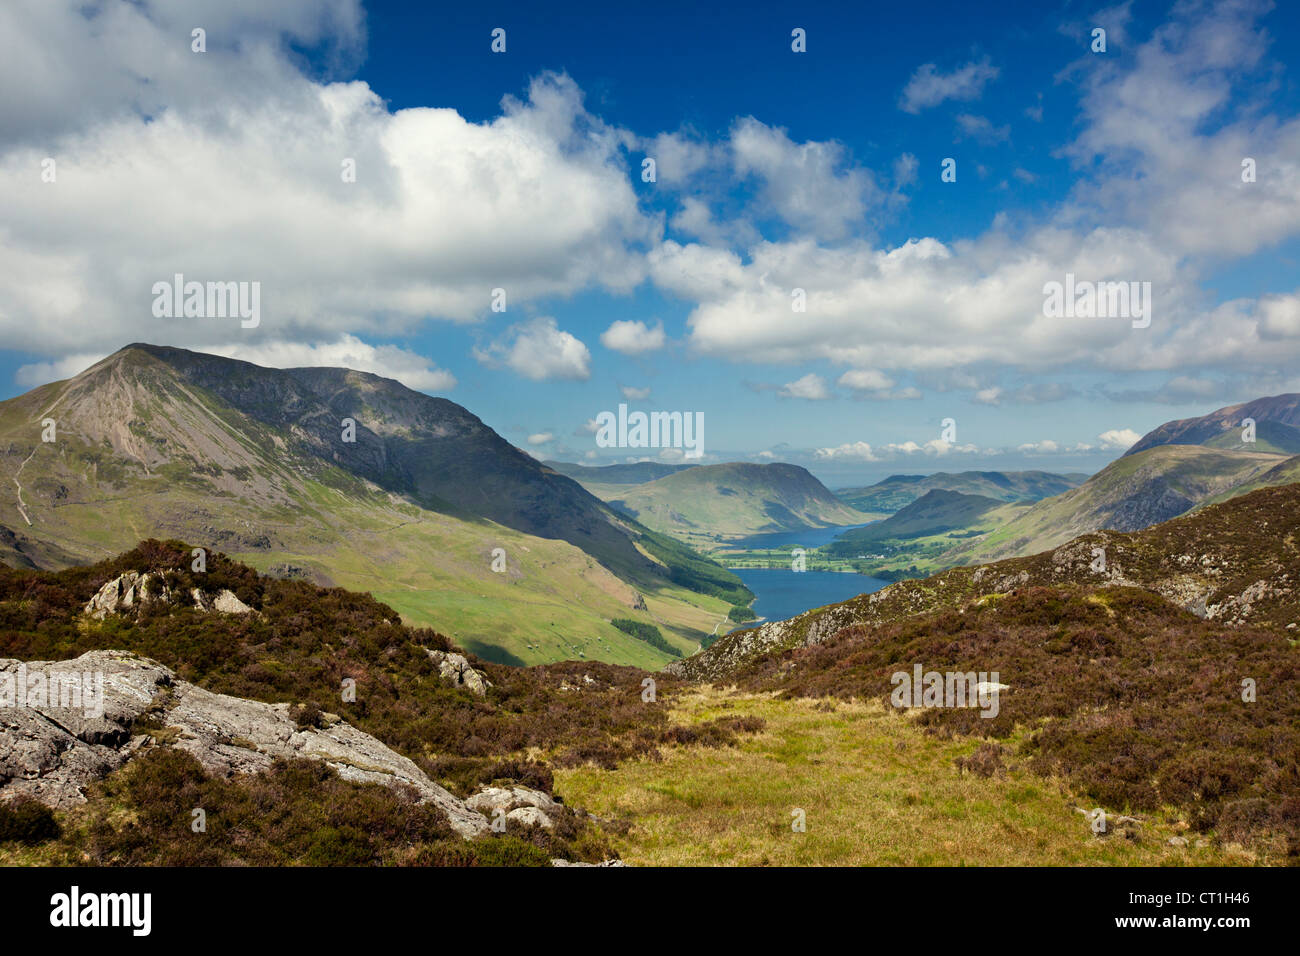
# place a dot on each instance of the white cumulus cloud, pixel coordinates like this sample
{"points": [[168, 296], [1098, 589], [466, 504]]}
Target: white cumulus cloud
{"points": [[633, 337], [811, 387], [541, 351], [930, 87], [1118, 439]]}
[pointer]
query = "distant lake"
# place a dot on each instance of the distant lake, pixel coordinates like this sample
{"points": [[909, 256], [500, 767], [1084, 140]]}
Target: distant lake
{"points": [[809, 538], [783, 593]]}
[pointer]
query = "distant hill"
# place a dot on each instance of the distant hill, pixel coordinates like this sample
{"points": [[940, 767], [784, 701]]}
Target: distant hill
{"points": [[633, 473], [345, 478], [934, 512], [736, 499], [1132, 492], [1277, 427], [899, 491]]}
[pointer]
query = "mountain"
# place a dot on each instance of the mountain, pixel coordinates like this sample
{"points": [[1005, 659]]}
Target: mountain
{"points": [[934, 512], [1132, 492], [899, 491], [710, 503], [418, 507], [1277, 427]]}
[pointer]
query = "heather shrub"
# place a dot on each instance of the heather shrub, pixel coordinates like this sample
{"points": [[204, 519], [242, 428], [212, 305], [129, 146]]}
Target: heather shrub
{"points": [[27, 821]]}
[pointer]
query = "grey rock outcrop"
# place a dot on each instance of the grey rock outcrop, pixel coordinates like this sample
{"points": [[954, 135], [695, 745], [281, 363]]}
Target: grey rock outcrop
{"points": [[559, 862], [456, 668], [523, 804], [504, 798], [133, 589], [126, 591], [530, 816], [54, 753]]}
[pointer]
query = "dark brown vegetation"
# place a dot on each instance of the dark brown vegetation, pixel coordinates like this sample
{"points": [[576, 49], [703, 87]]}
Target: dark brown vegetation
{"points": [[26, 821]]}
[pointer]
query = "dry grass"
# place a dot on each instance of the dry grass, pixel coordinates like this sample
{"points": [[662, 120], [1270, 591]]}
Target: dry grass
{"points": [[875, 788]]}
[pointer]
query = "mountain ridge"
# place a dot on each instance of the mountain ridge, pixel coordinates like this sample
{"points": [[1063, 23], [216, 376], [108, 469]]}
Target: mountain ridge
{"points": [[1131, 493], [1278, 410], [897, 491]]}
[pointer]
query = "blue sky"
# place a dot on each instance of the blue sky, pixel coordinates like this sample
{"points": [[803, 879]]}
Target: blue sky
{"points": [[776, 170]]}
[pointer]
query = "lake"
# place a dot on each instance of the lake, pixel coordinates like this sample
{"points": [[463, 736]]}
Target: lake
{"points": [[783, 593], [808, 538]]}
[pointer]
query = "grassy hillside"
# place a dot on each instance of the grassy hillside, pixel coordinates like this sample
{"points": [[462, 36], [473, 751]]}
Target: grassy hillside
{"points": [[899, 491], [1285, 473], [1133, 492], [709, 504], [1271, 437], [1136, 702], [916, 540], [933, 512]]}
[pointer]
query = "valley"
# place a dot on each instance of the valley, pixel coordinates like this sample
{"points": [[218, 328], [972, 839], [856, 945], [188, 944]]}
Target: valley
{"points": [[560, 588]]}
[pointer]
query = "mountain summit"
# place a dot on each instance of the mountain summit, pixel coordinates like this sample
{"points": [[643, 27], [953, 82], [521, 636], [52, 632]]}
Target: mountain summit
{"points": [[1277, 427]]}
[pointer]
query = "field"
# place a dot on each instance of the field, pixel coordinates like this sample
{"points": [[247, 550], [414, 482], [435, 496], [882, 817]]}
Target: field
{"points": [[875, 789]]}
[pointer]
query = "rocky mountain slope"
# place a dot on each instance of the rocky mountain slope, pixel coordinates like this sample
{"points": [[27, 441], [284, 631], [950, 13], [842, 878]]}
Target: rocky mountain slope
{"points": [[349, 478]]}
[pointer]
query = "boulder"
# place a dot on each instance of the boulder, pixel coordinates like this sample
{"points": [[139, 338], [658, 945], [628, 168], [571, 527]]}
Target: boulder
{"points": [[506, 798], [226, 603], [457, 669], [126, 591], [530, 816]]}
